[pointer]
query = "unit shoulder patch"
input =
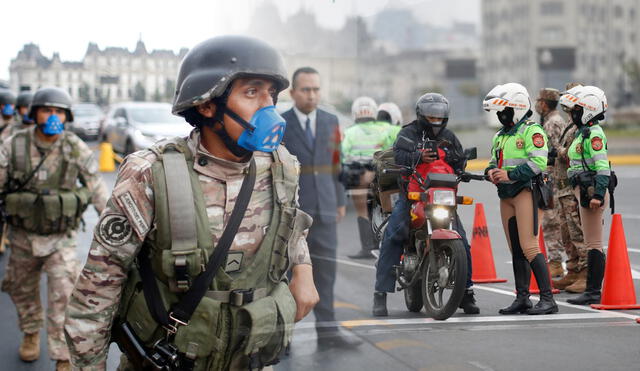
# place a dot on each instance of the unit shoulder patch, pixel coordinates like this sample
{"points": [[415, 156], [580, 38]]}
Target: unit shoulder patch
{"points": [[538, 140], [596, 143], [114, 230]]}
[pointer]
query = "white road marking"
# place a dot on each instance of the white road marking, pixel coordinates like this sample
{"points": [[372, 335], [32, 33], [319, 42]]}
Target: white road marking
{"points": [[635, 275]]}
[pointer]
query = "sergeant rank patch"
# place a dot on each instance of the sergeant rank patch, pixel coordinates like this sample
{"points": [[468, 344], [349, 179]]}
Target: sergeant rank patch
{"points": [[538, 140], [114, 230], [596, 143]]}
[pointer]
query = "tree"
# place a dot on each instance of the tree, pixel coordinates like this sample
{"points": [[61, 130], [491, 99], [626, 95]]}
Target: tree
{"points": [[139, 93], [157, 97]]}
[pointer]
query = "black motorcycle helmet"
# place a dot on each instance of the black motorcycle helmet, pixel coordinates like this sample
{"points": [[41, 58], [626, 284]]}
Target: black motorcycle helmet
{"points": [[210, 67], [24, 99], [432, 105], [7, 97], [51, 97]]}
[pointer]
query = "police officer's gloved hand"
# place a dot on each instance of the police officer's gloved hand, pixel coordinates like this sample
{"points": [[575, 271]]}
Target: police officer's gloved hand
{"points": [[551, 157]]}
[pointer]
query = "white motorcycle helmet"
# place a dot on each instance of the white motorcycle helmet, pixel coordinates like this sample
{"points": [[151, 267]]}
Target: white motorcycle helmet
{"points": [[364, 108], [390, 110], [510, 101], [591, 100]]}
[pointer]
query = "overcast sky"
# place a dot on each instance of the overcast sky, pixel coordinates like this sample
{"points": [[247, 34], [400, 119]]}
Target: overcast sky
{"points": [[67, 26]]}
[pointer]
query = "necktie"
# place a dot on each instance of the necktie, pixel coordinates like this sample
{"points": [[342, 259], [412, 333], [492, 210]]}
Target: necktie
{"points": [[308, 131]]}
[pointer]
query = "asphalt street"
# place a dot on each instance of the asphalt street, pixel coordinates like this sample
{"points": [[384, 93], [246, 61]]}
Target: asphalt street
{"points": [[577, 338]]}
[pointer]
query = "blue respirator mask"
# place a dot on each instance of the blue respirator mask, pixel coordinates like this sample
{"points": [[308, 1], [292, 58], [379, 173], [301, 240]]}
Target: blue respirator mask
{"points": [[26, 119], [53, 126], [263, 132], [7, 110]]}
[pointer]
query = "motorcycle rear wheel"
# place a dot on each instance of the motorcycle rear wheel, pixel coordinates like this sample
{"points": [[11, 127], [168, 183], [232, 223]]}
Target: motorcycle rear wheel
{"points": [[444, 278]]}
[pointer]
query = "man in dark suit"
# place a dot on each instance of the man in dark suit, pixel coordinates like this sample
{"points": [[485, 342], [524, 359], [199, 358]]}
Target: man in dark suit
{"points": [[313, 135]]}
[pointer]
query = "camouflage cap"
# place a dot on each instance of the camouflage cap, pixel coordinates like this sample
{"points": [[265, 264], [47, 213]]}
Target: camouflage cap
{"points": [[549, 94], [571, 85]]}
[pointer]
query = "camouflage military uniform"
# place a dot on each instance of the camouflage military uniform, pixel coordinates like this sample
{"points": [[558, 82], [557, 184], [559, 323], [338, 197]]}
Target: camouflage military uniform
{"points": [[96, 296], [8, 129], [55, 254], [561, 225]]}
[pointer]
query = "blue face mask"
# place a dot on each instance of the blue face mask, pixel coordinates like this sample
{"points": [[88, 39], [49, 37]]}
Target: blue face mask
{"points": [[26, 119], [53, 126], [265, 130], [7, 110]]}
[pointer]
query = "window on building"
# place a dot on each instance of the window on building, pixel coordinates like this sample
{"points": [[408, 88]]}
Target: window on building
{"points": [[551, 8], [632, 14], [617, 11], [553, 33]]}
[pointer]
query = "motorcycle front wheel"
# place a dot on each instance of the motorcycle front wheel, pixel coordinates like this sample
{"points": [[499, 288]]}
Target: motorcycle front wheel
{"points": [[444, 278]]}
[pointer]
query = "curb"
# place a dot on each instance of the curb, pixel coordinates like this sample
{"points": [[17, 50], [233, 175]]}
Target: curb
{"points": [[618, 160]]}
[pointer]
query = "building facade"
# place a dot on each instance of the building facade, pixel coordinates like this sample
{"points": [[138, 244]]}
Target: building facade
{"points": [[103, 76], [547, 43]]}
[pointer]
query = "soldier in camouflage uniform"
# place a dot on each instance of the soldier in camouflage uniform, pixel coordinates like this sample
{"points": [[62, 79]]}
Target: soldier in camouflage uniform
{"points": [[222, 83], [576, 278], [48, 177], [7, 111], [561, 225]]}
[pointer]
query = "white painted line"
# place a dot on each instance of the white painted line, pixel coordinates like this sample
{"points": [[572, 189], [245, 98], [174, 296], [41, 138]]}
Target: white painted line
{"points": [[633, 250], [467, 319]]}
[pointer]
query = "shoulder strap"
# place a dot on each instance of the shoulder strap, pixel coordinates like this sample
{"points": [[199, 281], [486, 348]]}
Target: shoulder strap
{"points": [[183, 310]]}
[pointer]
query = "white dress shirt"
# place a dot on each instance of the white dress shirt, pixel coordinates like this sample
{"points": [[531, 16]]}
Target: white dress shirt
{"points": [[302, 118]]}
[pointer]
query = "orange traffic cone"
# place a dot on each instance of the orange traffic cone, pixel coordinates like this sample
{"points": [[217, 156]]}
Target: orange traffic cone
{"points": [[617, 291], [533, 286], [484, 270], [107, 163]]}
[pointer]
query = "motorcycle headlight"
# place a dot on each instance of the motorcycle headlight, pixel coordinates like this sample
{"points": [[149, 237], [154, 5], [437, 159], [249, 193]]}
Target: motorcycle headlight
{"points": [[440, 213], [446, 198]]}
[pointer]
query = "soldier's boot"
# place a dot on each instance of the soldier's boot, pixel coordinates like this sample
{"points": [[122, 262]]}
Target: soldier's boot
{"points": [[521, 274], [380, 304], [63, 366], [566, 281], [555, 268], [367, 240], [468, 303], [580, 284], [30, 347], [595, 264], [546, 305]]}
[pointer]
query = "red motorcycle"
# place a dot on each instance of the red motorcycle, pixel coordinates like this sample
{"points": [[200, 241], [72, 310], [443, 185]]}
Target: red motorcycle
{"points": [[433, 269]]}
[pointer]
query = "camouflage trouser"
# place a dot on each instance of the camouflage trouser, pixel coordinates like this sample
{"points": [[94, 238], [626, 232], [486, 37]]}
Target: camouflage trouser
{"points": [[22, 283], [563, 232]]}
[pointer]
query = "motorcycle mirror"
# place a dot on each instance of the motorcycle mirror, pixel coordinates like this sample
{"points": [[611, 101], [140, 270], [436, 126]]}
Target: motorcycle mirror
{"points": [[471, 153], [405, 144]]}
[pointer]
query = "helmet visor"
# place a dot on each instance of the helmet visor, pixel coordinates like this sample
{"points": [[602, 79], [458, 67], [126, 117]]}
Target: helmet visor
{"points": [[434, 109]]}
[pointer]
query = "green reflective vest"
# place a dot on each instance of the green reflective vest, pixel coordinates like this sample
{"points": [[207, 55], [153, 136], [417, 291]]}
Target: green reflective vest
{"points": [[588, 153], [362, 140], [44, 206], [522, 151], [220, 326]]}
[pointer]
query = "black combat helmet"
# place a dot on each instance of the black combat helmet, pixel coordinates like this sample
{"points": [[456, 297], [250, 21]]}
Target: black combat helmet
{"points": [[208, 69], [24, 99], [433, 105], [51, 97], [7, 97]]}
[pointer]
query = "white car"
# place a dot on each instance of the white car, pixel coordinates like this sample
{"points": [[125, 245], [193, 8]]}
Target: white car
{"points": [[133, 126]]}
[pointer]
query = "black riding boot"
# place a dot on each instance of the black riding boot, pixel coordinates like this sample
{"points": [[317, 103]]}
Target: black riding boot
{"points": [[595, 272], [380, 304], [367, 240], [546, 305], [521, 274], [468, 303]]}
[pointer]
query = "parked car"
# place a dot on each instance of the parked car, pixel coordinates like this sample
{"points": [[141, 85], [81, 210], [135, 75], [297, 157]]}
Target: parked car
{"points": [[86, 120], [133, 126]]}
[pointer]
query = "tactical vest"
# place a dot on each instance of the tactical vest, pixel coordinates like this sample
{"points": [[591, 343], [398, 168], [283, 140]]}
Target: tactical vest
{"points": [[223, 324], [44, 206], [589, 154]]}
